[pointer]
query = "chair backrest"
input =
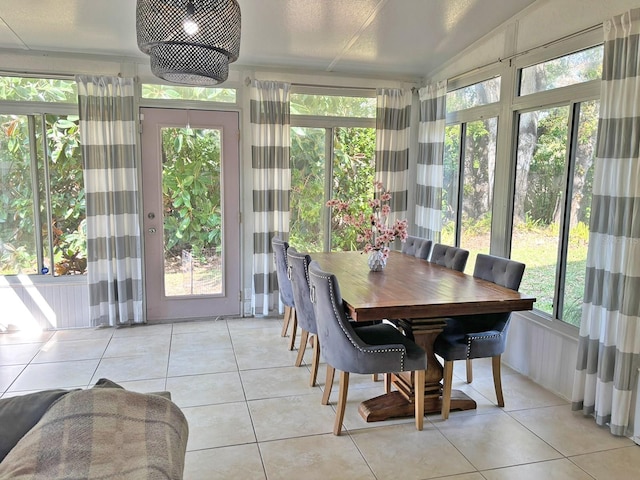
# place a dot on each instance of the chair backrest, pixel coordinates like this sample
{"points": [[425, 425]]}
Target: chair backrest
{"points": [[337, 337], [299, 269], [448, 256], [501, 271], [416, 246], [280, 248]]}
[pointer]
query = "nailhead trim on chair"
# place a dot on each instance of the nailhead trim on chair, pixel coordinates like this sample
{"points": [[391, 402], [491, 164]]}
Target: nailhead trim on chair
{"points": [[335, 310], [479, 339]]}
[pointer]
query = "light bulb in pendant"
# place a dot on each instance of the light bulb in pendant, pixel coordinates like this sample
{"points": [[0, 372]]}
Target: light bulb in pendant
{"points": [[189, 24]]}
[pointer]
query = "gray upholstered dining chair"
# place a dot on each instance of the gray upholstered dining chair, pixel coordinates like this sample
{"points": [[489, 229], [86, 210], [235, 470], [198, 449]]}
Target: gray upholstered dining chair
{"points": [[416, 246], [448, 256], [366, 350], [299, 274], [280, 248], [479, 336]]}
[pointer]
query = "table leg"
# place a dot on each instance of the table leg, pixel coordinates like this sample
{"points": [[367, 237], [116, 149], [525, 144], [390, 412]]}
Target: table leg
{"points": [[400, 403]]}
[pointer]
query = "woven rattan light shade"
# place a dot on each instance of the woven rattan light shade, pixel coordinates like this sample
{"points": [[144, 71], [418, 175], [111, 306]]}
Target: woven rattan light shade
{"points": [[189, 41]]}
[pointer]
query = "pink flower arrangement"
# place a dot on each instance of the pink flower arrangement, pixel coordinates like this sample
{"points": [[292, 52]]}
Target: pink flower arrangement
{"points": [[372, 229]]}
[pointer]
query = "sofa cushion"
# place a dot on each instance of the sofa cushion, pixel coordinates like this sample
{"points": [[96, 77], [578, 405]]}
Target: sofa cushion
{"points": [[105, 433], [19, 414]]}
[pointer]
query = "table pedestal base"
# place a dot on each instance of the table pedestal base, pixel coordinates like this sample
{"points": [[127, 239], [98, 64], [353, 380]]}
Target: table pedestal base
{"points": [[394, 405]]}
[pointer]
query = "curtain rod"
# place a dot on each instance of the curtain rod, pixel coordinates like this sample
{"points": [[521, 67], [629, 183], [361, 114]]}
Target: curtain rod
{"points": [[532, 49], [247, 82]]}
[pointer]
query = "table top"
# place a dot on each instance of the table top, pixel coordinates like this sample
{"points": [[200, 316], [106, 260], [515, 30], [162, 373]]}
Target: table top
{"points": [[410, 287]]}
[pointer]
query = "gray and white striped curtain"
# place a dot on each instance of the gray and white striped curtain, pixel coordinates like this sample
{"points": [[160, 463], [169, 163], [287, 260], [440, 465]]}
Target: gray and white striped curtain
{"points": [[270, 135], [114, 254], [430, 171], [609, 342], [393, 117]]}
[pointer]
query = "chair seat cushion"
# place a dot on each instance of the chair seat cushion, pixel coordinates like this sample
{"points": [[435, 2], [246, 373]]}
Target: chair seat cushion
{"points": [[460, 346], [385, 334]]}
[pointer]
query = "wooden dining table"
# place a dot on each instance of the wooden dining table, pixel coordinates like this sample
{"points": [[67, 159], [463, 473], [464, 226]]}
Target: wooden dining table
{"points": [[417, 296]]}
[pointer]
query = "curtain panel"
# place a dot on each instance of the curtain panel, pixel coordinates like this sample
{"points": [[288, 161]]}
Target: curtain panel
{"points": [[429, 177], [270, 137], [114, 252], [393, 119], [609, 342]]}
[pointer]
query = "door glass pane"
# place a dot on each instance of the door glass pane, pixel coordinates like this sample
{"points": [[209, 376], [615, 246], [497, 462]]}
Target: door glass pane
{"points": [[191, 187], [353, 175], [450, 184], [580, 213], [538, 199], [17, 225], [477, 189], [306, 225]]}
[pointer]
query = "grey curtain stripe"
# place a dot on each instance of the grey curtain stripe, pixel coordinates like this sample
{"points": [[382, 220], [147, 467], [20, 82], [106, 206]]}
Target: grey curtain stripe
{"points": [[98, 292], [95, 110], [393, 118], [271, 200], [266, 283], [112, 203], [270, 157], [613, 291], [619, 55], [612, 215], [628, 145], [262, 242], [120, 155], [426, 196], [392, 161], [268, 112], [123, 247], [430, 152]]}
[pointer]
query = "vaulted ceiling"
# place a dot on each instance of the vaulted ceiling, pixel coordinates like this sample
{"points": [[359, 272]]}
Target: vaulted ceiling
{"points": [[402, 38]]}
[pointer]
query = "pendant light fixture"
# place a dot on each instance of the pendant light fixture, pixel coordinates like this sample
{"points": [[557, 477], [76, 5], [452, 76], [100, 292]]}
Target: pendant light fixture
{"points": [[189, 42]]}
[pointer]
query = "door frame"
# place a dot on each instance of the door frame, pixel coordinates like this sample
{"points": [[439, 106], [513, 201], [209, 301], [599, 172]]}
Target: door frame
{"points": [[158, 307]]}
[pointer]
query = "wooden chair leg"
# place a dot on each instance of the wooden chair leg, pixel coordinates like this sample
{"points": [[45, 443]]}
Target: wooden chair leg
{"points": [[387, 382], [304, 337], [285, 323], [469, 371], [446, 388], [315, 360], [374, 377], [294, 328], [342, 402], [497, 381], [328, 383], [419, 398]]}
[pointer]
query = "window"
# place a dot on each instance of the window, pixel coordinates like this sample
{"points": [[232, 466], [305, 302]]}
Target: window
{"points": [[469, 167], [555, 150], [42, 203], [332, 156], [174, 92], [552, 204], [561, 72]]}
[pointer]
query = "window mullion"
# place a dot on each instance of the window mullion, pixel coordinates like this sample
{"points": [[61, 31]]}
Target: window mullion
{"points": [[47, 190], [572, 148], [35, 183], [328, 182], [460, 192]]}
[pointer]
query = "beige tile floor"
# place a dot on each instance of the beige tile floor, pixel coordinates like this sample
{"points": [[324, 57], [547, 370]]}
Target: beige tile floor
{"points": [[252, 414]]}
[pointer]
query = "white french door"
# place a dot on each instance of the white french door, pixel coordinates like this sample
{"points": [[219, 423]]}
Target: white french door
{"points": [[190, 169]]}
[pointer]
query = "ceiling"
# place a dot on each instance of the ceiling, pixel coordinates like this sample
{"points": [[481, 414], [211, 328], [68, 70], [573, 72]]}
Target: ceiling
{"points": [[399, 38]]}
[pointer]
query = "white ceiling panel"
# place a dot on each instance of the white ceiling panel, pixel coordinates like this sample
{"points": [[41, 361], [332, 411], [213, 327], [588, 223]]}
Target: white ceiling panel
{"points": [[383, 37]]}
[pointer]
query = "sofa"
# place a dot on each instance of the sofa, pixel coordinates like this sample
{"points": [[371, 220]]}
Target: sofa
{"points": [[105, 432]]}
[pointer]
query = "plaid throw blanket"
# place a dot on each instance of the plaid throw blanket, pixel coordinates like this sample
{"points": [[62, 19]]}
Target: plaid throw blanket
{"points": [[102, 433]]}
